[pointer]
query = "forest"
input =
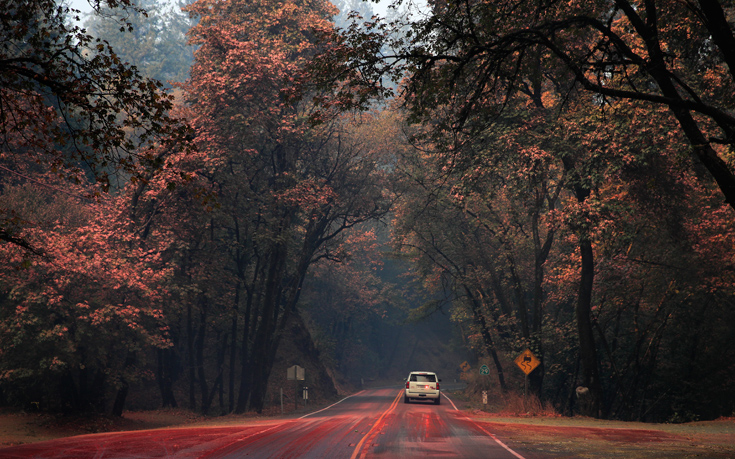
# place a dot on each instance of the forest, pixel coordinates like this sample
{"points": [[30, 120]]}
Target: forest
{"points": [[186, 188]]}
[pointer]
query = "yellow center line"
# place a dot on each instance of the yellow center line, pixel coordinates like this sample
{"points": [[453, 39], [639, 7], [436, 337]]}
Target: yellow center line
{"points": [[374, 429]]}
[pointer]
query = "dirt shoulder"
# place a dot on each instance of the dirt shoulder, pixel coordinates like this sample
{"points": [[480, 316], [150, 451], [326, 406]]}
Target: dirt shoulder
{"points": [[592, 438], [549, 435], [17, 427]]}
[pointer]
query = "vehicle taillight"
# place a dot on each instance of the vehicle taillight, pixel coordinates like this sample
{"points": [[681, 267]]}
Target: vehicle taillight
{"points": [[407, 384], [437, 386]]}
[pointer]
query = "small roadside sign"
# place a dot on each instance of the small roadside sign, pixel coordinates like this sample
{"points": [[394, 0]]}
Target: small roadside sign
{"points": [[527, 362], [484, 370], [295, 373], [465, 366]]}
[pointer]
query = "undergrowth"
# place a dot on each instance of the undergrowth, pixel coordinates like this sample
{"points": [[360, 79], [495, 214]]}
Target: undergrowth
{"points": [[512, 402]]}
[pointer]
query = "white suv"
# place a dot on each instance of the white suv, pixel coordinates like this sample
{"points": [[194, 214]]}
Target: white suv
{"points": [[422, 385]]}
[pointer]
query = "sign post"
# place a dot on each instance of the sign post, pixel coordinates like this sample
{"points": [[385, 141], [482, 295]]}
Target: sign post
{"points": [[527, 362], [296, 373], [484, 371]]}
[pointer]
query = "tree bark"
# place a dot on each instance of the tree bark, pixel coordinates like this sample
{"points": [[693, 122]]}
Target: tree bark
{"points": [[233, 349], [657, 68], [165, 378], [487, 338], [122, 392], [190, 357], [587, 348], [583, 310], [717, 25], [265, 339], [243, 395], [201, 370]]}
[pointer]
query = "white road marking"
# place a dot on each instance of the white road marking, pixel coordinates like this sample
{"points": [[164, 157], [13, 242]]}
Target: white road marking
{"points": [[486, 432], [335, 403]]}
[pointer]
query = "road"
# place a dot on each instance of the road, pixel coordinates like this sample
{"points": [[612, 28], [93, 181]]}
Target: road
{"points": [[374, 423]]}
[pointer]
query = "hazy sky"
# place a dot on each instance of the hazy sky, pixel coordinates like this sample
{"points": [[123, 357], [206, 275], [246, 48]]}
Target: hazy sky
{"points": [[83, 6]]}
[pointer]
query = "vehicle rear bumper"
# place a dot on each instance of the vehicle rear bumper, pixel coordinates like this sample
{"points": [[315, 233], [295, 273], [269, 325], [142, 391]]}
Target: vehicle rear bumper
{"points": [[429, 394]]}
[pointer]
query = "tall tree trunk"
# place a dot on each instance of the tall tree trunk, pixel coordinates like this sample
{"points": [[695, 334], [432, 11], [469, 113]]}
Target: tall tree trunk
{"points": [[201, 370], [252, 387], [587, 348], [69, 392], [246, 375], [264, 338], [165, 377], [233, 349], [190, 357], [487, 338], [218, 381], [282, 293], [583, 310], [122, 392], [520, 298], [541, 252], [120, 397]]}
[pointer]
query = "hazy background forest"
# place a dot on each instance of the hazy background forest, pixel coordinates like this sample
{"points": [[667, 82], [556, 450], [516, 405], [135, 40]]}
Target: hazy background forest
{"points": [[194, 197]]}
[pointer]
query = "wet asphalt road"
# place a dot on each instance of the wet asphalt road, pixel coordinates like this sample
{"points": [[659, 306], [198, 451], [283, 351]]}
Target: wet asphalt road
{"points": [[374, 423]]}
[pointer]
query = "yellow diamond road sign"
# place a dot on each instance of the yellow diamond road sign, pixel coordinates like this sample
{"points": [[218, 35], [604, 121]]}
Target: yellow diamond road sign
{"points": [[527, 362]]}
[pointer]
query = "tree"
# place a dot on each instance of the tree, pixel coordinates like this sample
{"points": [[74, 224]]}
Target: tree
{"points": [[157, 44], [347, 9], [281, 191], [474, 58], [70, 106], [74, 322], [479, 221], [648, 271], [350, 300], [345, 304], [81, 294], [674, 55]]}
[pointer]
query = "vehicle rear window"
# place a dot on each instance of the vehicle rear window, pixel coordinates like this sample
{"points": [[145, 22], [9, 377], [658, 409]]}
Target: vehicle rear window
{"points": [[423, 378]]}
